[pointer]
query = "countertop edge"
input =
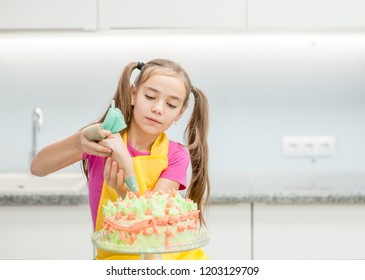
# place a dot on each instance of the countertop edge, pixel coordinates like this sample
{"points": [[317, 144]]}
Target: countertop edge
{"points": [[219, 198], [297, 198], [44, 199]]}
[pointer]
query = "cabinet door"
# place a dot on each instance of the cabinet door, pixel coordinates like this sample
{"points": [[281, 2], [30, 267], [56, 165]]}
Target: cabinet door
{"points": [[46, 14], [309, 231], [306, 14], [171, 14], [46, 233], [230, 232]]}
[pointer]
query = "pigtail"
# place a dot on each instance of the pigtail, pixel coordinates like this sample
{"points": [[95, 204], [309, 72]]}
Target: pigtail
{"points": [[122, 95], [196, 135]]}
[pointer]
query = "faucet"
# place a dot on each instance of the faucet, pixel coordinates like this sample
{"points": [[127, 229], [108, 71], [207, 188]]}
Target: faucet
{"points": [[37, 121]]}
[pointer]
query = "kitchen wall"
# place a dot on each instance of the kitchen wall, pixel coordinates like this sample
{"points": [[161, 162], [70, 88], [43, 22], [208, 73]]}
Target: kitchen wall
{"points": [[261, 87]]}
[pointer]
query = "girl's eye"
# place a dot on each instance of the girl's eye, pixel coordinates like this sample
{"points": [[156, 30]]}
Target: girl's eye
{"points": [[149, 97], [171, 106]]}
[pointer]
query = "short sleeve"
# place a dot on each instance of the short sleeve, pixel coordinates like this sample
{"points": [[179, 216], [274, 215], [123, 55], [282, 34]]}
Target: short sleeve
{"points": [[85, 156], [178, 162]]}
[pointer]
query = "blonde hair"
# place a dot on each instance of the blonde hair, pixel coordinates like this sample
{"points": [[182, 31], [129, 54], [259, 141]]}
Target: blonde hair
{"points": [[196, 131]]}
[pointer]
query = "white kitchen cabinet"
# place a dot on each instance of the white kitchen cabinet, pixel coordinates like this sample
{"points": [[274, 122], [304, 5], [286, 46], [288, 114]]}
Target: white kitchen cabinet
{"points": [[48, 15], [46, 232], [312, 231], [229, 226], [306, 14], [172, 14]]}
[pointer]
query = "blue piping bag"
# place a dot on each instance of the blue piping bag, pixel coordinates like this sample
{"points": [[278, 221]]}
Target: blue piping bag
{"points": [[114, 122]]}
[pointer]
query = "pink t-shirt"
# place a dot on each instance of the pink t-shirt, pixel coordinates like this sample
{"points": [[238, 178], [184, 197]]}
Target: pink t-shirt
{"points": [[178, 161]]}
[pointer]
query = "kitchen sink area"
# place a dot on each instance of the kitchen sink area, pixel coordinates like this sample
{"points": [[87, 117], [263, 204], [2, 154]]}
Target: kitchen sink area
{"points": [[26, 183], [27, 189]]}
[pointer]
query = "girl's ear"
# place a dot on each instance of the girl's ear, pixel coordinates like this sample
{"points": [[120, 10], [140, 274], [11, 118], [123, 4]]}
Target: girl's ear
{"points": [[181, 113], [132, 91]]}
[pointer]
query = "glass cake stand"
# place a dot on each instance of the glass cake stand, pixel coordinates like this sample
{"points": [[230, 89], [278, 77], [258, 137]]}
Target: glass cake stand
{"points": [[100, 240]]}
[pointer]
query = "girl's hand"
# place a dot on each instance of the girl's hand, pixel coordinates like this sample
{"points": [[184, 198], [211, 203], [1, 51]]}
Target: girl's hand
{"points": [[87, 143], [114, 177]]}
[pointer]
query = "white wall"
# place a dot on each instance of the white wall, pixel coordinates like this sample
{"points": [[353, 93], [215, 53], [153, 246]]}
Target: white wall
{"points": [[260, 87]]}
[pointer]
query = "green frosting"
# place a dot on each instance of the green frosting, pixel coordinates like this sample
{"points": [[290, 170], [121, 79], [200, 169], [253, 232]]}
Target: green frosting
{"points": [[110, 209], [173, 211], [157, 203], [157, 210]]}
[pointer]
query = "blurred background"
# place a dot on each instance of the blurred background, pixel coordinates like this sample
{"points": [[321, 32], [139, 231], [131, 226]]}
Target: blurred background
{"points": [[285, 83]]}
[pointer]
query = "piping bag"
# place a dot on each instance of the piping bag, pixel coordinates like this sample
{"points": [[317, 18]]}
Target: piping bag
{"points": [[114, 122]]}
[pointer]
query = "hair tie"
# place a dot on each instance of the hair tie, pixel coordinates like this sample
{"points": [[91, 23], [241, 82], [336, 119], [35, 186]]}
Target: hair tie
{"points": [[140, 65]]}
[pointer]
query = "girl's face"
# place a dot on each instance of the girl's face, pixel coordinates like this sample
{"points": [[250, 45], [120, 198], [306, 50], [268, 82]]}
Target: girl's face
{"points": [[158, 103]]}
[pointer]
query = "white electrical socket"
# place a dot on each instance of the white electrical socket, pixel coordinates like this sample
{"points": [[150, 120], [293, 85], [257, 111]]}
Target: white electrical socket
{"points": [[292, 146], [326, 145], [308, 146]]}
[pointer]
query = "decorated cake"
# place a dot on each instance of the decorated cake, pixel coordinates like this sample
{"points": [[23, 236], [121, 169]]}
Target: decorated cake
{"points": [[154, 219]]}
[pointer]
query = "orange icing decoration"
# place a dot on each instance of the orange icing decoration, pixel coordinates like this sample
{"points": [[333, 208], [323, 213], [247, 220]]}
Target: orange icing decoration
{"points": [[131, 216], [191, 226], [148, 194], [180, 228], [183, 217], [154, 226], [174, 193], [168, 234], [133, 238], [119, 215], [172, 220]]}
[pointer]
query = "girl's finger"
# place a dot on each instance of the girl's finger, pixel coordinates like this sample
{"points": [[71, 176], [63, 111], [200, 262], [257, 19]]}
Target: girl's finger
{"points": [[120, 180], [113, 174], [106, 133], [107, 168], [98, 150]]}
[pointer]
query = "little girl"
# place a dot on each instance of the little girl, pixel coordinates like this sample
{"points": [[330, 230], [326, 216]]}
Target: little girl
{"points": [[158, 97]]}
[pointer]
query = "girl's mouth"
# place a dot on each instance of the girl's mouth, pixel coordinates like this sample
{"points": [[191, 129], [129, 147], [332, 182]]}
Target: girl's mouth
{"points": [[154, 121]]}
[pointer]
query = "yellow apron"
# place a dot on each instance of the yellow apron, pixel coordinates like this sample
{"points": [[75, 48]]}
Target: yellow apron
{"points": [[148, 170]]}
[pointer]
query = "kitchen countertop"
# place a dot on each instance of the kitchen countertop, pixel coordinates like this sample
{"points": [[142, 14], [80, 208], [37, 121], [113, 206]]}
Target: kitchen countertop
{"points": [[42, 199], [345, 188], [320, 187]]}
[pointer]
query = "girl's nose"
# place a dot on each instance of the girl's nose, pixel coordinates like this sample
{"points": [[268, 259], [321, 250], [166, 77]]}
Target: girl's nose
{"points": [[157, 108]]}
